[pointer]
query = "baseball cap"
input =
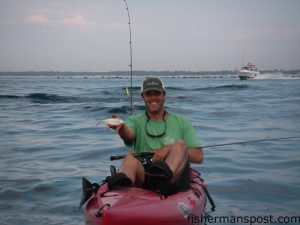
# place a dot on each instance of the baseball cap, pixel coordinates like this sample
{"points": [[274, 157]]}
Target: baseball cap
{"points": [[152, 84]]}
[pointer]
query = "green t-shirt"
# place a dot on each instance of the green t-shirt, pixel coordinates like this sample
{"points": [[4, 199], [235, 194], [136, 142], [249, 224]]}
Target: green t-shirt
{"points": [[177, 128]]}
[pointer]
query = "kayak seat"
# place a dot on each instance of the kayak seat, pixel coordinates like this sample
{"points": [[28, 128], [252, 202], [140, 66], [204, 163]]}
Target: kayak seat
{"points": [[160, 168], [158, 178], [118, 180]]}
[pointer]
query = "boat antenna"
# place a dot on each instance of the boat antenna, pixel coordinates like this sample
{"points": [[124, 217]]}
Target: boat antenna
{"points": [[243, 60], [130, 45]]}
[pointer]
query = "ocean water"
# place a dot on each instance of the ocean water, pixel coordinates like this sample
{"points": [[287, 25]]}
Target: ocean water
{"points": [[49, 140]]}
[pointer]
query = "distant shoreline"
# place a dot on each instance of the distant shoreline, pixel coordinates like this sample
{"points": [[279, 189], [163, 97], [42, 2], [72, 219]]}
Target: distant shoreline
{"points": [[136, 74]]}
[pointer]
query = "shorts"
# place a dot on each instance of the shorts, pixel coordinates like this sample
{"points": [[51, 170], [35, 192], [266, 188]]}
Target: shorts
{"points": [[181, 185]]}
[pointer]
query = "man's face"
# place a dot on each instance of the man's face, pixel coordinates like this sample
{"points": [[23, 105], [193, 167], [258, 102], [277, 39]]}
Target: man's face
{"points": [[154, 101]]}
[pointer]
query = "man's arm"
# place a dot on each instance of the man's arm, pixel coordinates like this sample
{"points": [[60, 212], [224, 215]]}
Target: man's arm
{"points": [[195, 155], [126, 133]]}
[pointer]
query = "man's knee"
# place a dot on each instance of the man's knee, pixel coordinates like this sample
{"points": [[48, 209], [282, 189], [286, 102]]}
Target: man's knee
{"points": [[133, 168], [180, 147], [130, 159], [181, 143]]}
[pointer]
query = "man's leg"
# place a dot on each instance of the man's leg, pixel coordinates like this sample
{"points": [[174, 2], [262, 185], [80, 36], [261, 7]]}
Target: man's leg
{"points": [[177, 160], [134, 170]]}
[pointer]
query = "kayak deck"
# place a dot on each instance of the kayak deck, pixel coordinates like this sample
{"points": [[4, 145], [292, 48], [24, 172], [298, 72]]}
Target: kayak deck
{"points": [[137, 206]]}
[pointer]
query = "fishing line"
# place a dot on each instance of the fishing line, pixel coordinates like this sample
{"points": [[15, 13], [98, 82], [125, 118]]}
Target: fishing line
{"points": [[116, 157], [130, 45], [252, 141]]}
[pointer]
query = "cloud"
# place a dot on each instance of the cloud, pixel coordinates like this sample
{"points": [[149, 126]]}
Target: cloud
{"points": [[268, 33], [76, 21], [37, 18]]}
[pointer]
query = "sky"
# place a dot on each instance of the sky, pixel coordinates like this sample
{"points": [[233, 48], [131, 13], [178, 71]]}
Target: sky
{"points": [[167, 35]]}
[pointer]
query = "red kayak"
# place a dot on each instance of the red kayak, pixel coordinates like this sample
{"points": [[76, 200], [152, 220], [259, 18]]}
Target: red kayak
{"points": [[137, 206]]}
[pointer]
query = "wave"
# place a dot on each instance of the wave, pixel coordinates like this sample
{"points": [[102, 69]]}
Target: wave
{"points": [[9, 96], [277, 76], [230, 87], [45, 98], [110, 95], [125, 109], [42, 98]]}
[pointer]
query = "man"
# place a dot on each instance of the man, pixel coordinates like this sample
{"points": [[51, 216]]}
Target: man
{"points": [[169, 136]]}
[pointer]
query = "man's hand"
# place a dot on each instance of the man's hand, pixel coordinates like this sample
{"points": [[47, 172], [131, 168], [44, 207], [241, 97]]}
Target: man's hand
{"points": [[161, 154], [115, 126], [126, 133]]}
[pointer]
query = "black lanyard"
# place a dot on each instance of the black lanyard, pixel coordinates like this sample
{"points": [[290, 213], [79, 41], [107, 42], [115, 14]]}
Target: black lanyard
{"points": [[159, 135]]}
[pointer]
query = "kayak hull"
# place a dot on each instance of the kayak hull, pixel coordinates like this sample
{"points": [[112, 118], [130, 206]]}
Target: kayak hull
{"points": [[137, 206]]}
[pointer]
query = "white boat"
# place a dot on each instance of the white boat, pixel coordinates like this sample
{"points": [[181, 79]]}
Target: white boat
{"points": [[248, 72]]}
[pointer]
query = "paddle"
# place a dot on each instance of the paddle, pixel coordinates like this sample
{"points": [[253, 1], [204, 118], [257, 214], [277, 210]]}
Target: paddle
{"points": [[87, 190]]}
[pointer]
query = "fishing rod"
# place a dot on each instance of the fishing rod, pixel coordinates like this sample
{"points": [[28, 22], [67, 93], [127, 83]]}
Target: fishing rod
{"points": [[130, 45], [117, 157], [251, 141]]}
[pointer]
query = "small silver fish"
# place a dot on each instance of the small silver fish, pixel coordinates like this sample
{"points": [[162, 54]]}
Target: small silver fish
{"points": [[112, 121]]}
